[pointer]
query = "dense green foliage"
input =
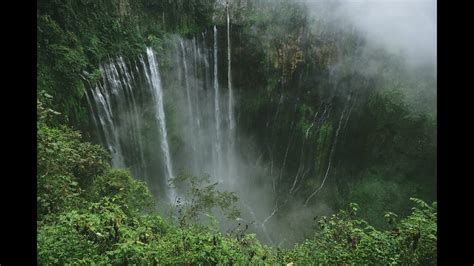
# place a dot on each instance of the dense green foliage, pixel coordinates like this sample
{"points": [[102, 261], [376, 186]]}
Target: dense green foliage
{"points": [[343, 239]]}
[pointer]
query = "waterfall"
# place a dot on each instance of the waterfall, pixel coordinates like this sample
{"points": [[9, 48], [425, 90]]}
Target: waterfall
{"points": [[331, 153], [301, 165], [198, 93], [117, 115], [135, 117], [91, 110], [186, 82], [230, 112], [229, 81], [117, 109], [128, 107], [155, 82], [104, 113], [217, 111], [188, 96], [196, 57], [205, 130]]}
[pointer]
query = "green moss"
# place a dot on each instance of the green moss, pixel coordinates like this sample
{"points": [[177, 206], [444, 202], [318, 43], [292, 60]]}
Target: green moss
{"points": [[323, 145]]}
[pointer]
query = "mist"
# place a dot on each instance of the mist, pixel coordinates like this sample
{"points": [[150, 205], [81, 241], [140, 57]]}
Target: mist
{"points": [[403, 27]]}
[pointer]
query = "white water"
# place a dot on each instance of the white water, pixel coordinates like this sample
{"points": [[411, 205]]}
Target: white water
{"points": [[331, 153], [188, 97], [186, 84], [135, 117], [217, 112], [206, 147], [230, 112], [103, 100], [229, 81], [117, 111], [155, 81], [196, 85], [301, 166], [89, 103]]}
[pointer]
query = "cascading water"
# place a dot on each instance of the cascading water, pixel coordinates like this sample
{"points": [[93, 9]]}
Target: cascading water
{"points": [[130, 113], [229, 82], [230, 111], [331, 153], [134, 118], [108, 125], [117, 105], [155, 82], [217, 112], [186, 85], [205, 126], [192, 120], [118, 115], [301, 166]]}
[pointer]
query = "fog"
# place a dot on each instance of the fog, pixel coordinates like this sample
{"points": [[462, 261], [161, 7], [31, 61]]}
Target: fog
{"points": [[403, 27]]}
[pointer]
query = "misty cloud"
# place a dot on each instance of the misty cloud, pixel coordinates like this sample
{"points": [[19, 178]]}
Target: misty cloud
{"points": [[403, 27]]}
